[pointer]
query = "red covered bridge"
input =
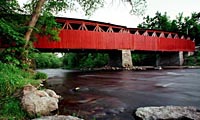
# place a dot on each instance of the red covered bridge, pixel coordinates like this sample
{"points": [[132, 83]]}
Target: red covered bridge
{"points": [[78, 34]]}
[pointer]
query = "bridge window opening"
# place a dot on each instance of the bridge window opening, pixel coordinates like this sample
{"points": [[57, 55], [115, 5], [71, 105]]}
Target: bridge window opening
{"points": [[141, 32], [90, 27], [158, 34], [166, 34], [116, 29], [75, 26], [150, 33], [132, 31], [105, 28]]}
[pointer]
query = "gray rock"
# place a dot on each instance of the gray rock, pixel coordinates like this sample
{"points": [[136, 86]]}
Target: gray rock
{"points": [[58, 117], [167, 112], [39, 101]]}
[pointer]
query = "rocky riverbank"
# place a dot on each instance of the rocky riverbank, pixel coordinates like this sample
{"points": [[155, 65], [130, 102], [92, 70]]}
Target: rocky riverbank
{"points": [[139, 68]]}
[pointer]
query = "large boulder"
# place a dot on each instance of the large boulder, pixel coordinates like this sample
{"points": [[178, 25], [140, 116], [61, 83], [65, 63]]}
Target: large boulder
{"points": [[168, 113], [58, 117], [40, 102]]}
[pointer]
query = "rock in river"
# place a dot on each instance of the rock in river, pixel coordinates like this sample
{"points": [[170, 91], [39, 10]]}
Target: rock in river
{"points": [[58, 117], [168, 113], [40, 102]]}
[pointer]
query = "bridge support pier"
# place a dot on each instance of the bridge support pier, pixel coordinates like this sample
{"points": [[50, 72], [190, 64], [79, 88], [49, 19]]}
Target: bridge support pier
{"points": [[126, 59], [170, 59], [120, 58]]}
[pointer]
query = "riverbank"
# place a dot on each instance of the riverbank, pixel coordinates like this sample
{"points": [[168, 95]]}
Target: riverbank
{"points": [[139, 68]]}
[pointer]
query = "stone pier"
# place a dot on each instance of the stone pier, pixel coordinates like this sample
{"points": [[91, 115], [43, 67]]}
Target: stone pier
{"points": [[126, 59]]}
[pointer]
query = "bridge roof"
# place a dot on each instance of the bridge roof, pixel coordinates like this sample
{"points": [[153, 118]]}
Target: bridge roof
{"points": [[92, 21], [63, 19]]}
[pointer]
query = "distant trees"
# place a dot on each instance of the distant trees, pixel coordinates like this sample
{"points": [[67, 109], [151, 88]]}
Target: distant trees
{"points": [[185, 25], [46, 60], [84, 60]]}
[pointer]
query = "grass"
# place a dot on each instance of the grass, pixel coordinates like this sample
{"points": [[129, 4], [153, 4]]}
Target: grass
{"points": [[11, 80], [11, 110]]}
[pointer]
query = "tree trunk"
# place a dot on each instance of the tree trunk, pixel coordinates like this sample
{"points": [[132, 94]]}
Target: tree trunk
{"points": [[33, 21]]}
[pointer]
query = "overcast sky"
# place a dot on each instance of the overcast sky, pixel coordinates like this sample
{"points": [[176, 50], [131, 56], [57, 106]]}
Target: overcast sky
{"points": [[119, 13]]}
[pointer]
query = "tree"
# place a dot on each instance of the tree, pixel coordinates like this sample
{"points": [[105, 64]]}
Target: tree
{"points": [[159, 22]]}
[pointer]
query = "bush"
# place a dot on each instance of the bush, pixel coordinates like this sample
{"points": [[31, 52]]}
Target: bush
{"points": [[40, 75]]}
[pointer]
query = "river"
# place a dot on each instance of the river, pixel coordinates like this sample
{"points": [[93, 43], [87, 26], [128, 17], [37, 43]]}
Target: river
{"points": [[115, 95]]}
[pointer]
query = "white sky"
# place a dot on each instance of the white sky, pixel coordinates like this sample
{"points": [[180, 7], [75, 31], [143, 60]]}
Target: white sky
{"points": [[118, 13]]}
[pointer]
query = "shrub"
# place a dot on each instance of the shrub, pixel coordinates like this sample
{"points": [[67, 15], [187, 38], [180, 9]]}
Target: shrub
{"points": [[40, 75]]}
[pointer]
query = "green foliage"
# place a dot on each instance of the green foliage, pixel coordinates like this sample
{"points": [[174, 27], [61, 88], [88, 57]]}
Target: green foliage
{"points": [[70, 60], [9, 6], [143, 59], [13, 78], [84, 60], [11, 109], [193, 60], [47, 26], [138, 58], [40, 75], [159, 22], [47, 60], [93, 60]]}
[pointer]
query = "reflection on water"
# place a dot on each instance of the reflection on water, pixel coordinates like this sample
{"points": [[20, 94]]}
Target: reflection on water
{"points": [[114, 95]]}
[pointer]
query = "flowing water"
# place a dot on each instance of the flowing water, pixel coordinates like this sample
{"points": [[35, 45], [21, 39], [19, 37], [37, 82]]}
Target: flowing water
{"points": [[114, 95]]}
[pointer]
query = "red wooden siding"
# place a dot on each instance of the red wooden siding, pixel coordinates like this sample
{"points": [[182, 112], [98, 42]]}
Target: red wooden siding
{"points": [[77, 39], [109, 37]]}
